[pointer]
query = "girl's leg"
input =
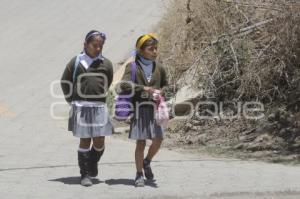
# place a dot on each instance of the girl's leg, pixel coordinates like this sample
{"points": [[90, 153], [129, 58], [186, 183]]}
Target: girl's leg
{"points": [[139, 162], [99, 142], [139, 155], [85, 143], [153, 149], [96, 154]]}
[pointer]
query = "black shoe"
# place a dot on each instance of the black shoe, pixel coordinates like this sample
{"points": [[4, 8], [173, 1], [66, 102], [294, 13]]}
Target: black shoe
{"points": [[147, 169], [139, 180], [94, 159], [83, 162]]}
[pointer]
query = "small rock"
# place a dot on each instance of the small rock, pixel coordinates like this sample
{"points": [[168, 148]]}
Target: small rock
{"points": [[282, 132], [297, 140], [278, 125], [285, 133], [263, 138], [189, 142], [188, 126], [269, 127], [284, 118], [198, 129], [276, 152], [239, 146], [254, 147], [188, 139], [196, 123], [295, 147], [271, 117], [248, 132], [248, 138], [290, 120]]}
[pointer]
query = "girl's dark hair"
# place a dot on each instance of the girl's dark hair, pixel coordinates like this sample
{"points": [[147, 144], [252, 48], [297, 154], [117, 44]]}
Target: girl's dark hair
{"points": [[147, 43], [92, 34]]}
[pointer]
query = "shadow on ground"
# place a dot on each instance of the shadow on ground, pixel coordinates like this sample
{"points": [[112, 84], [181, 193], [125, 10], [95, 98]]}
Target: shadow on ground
{"points": [[129, 182], [73, 180]]}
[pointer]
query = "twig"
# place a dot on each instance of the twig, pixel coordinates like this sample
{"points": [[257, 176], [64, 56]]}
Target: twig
{"points": [[189, 11], [236, 60], [256, 25]]}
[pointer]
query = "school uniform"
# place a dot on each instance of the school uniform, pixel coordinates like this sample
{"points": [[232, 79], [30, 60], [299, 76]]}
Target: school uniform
{"points": [[143, 125], [89, 115]]}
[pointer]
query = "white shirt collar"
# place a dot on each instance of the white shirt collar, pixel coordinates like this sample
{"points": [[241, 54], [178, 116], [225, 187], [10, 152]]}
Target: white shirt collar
{"points": [[87, 61]]}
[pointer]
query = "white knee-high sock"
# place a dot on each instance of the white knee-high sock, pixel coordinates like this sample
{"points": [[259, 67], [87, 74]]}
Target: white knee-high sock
{"points": [[99, 150], [82, 150]]}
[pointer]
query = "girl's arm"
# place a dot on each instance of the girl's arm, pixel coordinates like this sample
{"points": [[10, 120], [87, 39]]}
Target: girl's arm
{"points": [[127, 84], [67, 81]]}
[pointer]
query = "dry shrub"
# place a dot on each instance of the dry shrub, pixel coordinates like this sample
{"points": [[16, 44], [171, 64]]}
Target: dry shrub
{"points": [[237, 50]]}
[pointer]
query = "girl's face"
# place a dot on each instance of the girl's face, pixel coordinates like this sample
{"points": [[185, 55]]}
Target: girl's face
{"points": [[150, 52], [94, 47]]}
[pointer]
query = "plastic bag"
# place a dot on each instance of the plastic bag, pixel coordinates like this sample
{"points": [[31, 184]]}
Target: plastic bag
{"points": [[162, 112]]}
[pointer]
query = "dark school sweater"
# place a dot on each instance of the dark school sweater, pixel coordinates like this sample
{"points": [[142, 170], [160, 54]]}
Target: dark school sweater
{"points": [[158, 81], [90, 84]]}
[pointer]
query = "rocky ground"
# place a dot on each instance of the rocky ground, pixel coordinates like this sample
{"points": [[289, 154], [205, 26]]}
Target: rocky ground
{"points": [[275, 139]]}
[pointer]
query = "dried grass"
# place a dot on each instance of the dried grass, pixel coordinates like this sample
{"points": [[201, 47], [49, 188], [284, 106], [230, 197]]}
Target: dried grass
{"points": [[237, 50]]}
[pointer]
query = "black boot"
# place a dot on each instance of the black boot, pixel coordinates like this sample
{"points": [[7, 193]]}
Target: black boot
{"points": [[94, 159], [147, 169], [83, 162]]}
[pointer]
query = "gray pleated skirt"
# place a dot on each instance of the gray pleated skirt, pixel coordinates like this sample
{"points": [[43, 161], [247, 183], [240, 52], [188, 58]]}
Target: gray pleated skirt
{"points": [[90, 121], [143, 125]]}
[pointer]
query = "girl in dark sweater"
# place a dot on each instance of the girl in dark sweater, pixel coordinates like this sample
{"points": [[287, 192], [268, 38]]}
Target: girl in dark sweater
{"points": [[151, 80], [85, 83]]}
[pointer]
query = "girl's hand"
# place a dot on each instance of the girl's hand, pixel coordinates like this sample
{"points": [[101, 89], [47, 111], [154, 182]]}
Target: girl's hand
{"points": [[162, 93], [149, 89], [156, 95]]}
